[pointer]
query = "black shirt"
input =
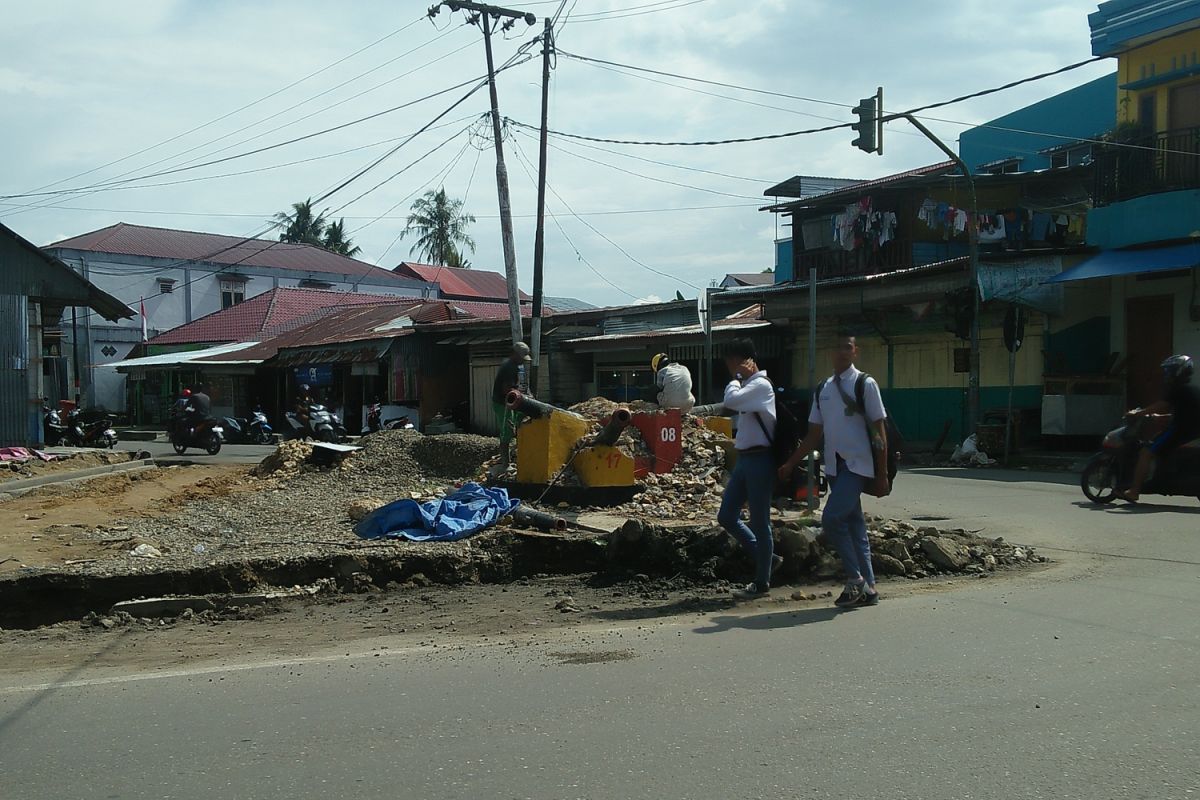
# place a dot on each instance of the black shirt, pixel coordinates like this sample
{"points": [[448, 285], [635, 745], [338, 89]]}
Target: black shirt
{"points": [[507, 378], [201, 403], [1185, 406]]}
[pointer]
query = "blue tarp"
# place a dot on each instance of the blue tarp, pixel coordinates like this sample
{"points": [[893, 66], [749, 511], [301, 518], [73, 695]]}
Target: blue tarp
{"points": [[1115, 263], [456, 516]]}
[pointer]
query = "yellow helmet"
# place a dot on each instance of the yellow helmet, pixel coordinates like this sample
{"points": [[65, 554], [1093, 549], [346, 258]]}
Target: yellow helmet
{"points": [[659, 361]]}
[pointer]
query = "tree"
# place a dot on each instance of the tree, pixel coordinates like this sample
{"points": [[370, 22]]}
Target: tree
{"points": [[336, 241], [440, 226], [303, 226]]}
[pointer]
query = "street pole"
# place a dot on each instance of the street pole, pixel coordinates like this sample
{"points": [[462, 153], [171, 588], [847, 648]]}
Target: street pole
{"points": [[812, 378], [539, 237], [708, 344], [484, 14], [973, 257]]}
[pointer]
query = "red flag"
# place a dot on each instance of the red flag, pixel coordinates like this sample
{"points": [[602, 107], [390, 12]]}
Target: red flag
{"points": [[142, 309]]}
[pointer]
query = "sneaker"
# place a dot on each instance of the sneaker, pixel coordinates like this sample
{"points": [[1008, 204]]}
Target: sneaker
{"points": [[850, 596], [868, 599], [750, 592], [776, 563]]}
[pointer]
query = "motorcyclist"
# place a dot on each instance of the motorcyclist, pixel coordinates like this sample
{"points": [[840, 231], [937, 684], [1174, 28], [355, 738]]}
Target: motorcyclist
{"points": [[303, 400], [1181, 402], [674, 383], [198, 408], [179, 409]]}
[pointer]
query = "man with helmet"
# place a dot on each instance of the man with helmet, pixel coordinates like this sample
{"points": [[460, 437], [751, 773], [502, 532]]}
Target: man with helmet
{"points": [[674, 383], [1181, 402]]}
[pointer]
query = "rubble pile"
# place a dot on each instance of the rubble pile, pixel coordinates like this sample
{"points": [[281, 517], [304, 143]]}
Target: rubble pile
{"points": [[693, 489], [898, 549], [286, 462], [599, 408]]}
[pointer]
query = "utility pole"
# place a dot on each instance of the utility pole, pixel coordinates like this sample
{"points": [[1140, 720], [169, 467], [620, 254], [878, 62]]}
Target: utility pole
{"points": [[539, 237], [973, 256], [485, 15]]}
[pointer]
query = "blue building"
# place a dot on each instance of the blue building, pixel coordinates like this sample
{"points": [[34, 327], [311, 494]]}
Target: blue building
{"points": [[1051, 133]]}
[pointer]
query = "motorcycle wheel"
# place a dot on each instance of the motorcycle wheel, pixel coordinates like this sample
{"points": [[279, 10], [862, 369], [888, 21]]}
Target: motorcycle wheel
{"points": [[1097, 481], [263, 437], [326, 435], [179, 447], [214, 445]]}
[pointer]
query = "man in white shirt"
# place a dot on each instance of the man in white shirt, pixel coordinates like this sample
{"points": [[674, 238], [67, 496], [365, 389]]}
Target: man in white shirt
{"points": [[855, 461], [752, 396], [674, 383]]}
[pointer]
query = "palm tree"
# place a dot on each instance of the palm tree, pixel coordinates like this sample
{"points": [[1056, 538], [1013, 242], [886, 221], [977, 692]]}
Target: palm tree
{"points": [[441, 229], [336, 240], [303, 227]]}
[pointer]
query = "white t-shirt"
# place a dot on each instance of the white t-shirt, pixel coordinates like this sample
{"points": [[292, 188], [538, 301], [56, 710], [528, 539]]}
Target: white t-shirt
{"points": [[846, 436], [751, 397], [675, 382]]}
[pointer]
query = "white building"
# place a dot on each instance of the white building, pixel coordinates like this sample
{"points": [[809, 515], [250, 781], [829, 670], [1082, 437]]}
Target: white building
{"points": [[179, 276]]}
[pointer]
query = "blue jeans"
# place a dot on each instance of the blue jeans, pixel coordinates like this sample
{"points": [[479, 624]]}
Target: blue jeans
{"points": [[844, 525], [751, 483]]}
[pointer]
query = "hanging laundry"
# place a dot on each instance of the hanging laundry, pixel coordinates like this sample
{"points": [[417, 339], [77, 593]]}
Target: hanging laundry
{"points": [[960, 220], [887, 227]]}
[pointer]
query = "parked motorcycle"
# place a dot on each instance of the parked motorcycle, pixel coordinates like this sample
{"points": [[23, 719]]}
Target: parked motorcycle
{"points": [[97, 433], [54, 431], [323, 425], [255, 429], [1111, 470], [376, 423], [207, 435]]}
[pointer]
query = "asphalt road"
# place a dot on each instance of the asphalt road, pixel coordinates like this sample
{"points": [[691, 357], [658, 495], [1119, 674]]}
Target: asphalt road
{"points": [[230, 453], [1075, 682]]}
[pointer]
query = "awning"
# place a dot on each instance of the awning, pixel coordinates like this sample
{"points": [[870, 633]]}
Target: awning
{"points": [[1118, 263], [352, 353], [185, 358]]}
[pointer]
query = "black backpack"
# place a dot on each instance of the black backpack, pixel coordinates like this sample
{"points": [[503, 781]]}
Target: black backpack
{"points": [[894, 439], [787, 431]]}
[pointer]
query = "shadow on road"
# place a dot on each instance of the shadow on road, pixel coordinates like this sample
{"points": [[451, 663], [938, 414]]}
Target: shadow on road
{"points": [[999, 475], [771, 621], [684, 606], [39, 697], [1139, 508]]}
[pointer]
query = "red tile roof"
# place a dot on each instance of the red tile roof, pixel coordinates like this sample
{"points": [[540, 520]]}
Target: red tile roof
{"points": [[215, 248], [458, 283], [265, 314]]}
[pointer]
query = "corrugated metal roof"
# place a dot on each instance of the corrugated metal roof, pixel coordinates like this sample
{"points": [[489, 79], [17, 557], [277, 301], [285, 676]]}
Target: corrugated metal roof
{"points": [[215, 248], [752, 278], [362, 353], [456, 282], [266, 315], [212, 354]]}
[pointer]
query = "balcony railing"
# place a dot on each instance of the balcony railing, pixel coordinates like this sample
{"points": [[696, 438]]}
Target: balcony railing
{"points": [[1161, 162]]}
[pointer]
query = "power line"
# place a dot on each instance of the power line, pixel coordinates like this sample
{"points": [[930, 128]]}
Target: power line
{"points": [[652, 178], [265, 148], [228, 114], [640, 13], [644, 265], [759, 181]]}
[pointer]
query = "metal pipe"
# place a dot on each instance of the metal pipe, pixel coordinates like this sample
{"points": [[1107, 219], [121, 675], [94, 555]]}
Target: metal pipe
{"points": [[612, 430], [539, 520], [516, 400]]}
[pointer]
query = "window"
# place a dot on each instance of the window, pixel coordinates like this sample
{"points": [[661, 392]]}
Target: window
{"points": [[309, 283], [1059, 159], [232, 293], [166, 285], [1002, 167]]}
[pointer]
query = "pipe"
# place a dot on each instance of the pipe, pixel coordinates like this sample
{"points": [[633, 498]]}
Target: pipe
{"points": [[713, 410], [539, 520], [609, 434], [515, 400]]}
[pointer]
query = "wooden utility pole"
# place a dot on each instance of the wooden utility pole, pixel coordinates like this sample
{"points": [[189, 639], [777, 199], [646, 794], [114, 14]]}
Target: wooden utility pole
{"points": [[539, 237], [486, 15]]}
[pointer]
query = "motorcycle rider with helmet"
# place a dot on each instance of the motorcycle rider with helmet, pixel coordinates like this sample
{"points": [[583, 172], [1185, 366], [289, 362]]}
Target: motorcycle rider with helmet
{"points": [[1180, 402]]}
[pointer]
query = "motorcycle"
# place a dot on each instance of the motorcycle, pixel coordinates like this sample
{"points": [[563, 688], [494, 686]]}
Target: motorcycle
{"points": [[249, 430], [53, 429], [323, 425], [207, 435], [97, 433], [1111, 470], [375, 421]]}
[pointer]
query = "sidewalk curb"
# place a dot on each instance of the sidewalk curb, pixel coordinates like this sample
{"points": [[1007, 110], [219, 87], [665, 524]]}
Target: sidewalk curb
{"points": [[12, 489]]}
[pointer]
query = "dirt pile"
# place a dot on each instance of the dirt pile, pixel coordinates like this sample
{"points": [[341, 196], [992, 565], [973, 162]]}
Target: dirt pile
{"points": [[287, 460]]}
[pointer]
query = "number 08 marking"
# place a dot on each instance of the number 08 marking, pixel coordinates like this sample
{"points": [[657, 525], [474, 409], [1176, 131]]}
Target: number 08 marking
{"points": [[668, 434]]}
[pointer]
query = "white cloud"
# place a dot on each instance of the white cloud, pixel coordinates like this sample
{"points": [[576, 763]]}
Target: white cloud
{"points": [[648, 300]]}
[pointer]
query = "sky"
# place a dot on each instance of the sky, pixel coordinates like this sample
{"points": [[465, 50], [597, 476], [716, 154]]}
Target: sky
{"points": [[93, 93]]}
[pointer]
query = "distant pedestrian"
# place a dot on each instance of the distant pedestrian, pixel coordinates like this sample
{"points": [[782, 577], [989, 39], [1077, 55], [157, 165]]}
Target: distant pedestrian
{"points": [[855, 461], [674, 382], [508, 377], [752, 396]]}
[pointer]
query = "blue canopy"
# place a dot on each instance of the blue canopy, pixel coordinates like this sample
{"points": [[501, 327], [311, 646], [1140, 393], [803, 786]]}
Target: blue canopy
{"points": [[1117, 263]]}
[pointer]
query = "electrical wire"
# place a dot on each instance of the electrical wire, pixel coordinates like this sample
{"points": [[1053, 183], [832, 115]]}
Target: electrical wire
{"points": [[684, 4], [626, 253], [238, 110], [758, 181]]}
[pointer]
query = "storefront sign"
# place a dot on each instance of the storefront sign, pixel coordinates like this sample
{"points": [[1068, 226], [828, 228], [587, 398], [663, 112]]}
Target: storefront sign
{"points": [[314, 374]]}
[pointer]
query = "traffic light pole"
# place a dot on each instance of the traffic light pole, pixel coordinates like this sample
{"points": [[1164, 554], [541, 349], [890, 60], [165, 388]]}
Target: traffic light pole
{"points": [[973, 255]]}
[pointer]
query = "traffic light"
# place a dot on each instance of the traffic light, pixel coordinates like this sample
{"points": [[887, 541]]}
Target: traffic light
{"points": [[870, 124]]}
